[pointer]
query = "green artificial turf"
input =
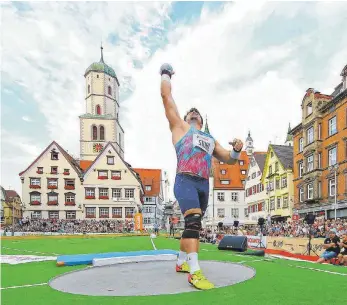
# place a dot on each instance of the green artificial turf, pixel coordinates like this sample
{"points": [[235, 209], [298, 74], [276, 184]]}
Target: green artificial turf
{"points": [[276, 282]]}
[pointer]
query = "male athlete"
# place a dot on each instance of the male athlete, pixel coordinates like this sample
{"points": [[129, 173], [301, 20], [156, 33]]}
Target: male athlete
{"points": [[194, 150]]}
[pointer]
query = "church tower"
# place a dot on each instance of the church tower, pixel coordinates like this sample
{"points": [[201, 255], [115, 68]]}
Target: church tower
{"points": [[249, 145], [289, 138], [100, 123]]}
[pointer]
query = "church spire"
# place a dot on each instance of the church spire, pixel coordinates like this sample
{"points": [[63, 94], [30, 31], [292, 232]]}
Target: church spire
{"points": [[206, 127], [102, 55], [289, 138]]}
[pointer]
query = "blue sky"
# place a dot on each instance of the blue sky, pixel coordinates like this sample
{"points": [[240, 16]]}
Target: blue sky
{"points": [[246, 66]]}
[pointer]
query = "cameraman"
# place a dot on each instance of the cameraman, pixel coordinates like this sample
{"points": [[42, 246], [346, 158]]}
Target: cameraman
{"points": [[331, 246]]}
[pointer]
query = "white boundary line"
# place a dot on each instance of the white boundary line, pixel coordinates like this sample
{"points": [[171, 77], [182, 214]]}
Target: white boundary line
{"points": [[29, 251], [319, 270], [154, 247], [23, 286]]}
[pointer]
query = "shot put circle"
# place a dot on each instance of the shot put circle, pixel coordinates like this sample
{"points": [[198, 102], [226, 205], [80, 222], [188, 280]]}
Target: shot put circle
{"points": [[146, 278]]}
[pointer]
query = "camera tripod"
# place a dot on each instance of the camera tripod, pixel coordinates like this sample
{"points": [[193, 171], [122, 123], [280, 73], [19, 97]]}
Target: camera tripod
{"points": [[260, 243], [309, 246]]}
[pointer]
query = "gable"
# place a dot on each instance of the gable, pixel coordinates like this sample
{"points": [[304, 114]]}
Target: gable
{"points": [[128, 176], [44, 160], [153, 178]]}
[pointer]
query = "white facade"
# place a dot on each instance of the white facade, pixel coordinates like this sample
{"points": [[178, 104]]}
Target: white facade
{"points": [[255, 192], [153, 212]]}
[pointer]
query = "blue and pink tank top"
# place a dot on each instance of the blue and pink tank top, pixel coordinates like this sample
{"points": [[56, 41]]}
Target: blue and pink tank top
{"points": [[194, 153]]}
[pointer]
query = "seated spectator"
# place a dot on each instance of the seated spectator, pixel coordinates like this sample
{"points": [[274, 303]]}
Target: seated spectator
{"points": [[331, 246], [343, 254]]}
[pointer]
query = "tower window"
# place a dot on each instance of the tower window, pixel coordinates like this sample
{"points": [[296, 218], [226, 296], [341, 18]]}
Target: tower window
{"points": [[120, 140], [102, 133], [98, 109], [109, 90], [97, 75], [94, 133], [88, 88]]}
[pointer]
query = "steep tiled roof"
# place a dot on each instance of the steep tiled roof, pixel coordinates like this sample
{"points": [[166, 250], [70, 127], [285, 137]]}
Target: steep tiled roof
{"points": [[84, 164], [11, 194], [233, 173], [260, 159], [284, 154], [150, 177]]}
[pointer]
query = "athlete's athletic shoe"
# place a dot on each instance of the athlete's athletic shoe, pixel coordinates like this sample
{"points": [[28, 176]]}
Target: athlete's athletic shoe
{"points": [[199, 281], [183, 268]]}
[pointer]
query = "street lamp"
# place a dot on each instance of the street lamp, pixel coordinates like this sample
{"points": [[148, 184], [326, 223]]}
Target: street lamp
{"points": [[335, 168]]}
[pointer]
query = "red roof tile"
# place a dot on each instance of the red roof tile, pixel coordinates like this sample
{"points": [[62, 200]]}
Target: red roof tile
{"points": [[84, 164], [150, 177]]}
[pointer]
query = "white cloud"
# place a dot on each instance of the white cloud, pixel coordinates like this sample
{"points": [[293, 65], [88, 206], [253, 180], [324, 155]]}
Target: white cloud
{"points": [[218, 69], [26, 118]]}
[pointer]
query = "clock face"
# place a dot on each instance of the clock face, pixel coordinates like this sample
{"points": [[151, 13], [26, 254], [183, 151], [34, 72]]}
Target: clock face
{"points": [[97, 147]]}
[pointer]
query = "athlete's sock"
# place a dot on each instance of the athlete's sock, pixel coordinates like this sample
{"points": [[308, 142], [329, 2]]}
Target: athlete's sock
{"points": [[182, 257], [192, 259]]}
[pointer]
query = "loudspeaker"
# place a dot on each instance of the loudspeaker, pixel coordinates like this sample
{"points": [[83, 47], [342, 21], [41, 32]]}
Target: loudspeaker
{"points": [[236, 223], [261, 221], [234, 243], [220, 224], [310, 218]]}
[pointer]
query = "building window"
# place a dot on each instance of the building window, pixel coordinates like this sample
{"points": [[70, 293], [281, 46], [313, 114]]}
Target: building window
{"points": [[309, 191], [235, 213], [332, 126], [310, 163], [148, 188], [116, 193], [320, 160], [98, 109], [36, 215], [332, 156], [66, 171], [220, 196], [52, 198], [277, 184], [69, 184], [102, 133], [276, 167], [70, 214], [103, 193], [88, 88], [319, 189], [117, 212], [301, 144], [54, 170], [284, 181], [234, 196], [272, 204], [310, 135], [309, 109], [129, 212], [301, 169], [70, 198], [319, 131], [39, 170], [102, 174], [110, 160], [225, 182], [104, 212], [90, 212], [149, 199], [109, 90], [223, 171], [35, 182], [115, 175], [301, 194], [52, 183], [254, 175], [243, 172], [278, 202], [345, 150], [90, 193], [270, 170], [147, 220], [129, 193], [272, 154], [53, 214], [94, 133], [221, 213], [120, 140], [54, 155], [285, 202], [332, 187], [35, 197], [241, 162]]}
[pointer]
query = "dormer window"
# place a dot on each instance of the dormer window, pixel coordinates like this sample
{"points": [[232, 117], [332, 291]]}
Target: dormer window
{"points": [[54, 155], [309, 109], [148, 188]]}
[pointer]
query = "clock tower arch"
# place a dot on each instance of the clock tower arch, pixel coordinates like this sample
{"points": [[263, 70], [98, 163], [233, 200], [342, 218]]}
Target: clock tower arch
{"points": [[100, 123]]}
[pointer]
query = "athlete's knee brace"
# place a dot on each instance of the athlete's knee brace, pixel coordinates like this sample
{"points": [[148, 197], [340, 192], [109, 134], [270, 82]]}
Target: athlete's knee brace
{"points": [[192, 226]]}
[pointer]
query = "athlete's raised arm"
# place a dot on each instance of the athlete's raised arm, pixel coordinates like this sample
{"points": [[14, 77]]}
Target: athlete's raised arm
{"points": [[227, 156], [171, 111]]}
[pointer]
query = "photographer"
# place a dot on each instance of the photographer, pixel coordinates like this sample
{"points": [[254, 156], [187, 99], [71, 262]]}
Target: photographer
{"points": [[331, 246], [343, 254]]}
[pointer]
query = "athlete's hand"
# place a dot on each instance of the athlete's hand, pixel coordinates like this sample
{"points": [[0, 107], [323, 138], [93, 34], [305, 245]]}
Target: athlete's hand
{"points": [[237, 145], [166, 69]]}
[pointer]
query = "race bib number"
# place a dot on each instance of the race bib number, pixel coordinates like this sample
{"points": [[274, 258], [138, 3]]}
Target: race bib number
{"points": [[204, 143]]}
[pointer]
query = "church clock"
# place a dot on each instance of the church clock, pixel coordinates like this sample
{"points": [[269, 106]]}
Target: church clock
{"points": [[97, 147]]}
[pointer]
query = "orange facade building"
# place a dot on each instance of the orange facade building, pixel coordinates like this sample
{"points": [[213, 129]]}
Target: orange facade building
{"points": [[320, 153]]}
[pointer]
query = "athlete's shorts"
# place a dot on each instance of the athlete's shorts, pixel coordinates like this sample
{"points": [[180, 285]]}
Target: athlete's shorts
{"points": [[328, 254], [191, 192]]}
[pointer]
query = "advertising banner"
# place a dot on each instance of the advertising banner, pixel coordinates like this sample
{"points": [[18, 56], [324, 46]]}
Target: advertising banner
{"points": [[138, 219], [254, 241]]}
